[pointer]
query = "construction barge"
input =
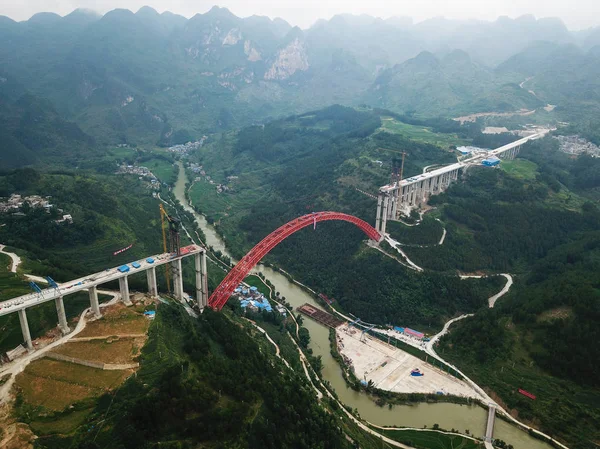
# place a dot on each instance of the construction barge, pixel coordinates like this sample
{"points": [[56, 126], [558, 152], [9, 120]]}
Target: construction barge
{"points": [[320, 316]]}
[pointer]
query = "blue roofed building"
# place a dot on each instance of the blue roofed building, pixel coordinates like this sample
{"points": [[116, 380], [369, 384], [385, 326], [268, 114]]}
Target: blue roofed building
{"points": [[491, 161]]}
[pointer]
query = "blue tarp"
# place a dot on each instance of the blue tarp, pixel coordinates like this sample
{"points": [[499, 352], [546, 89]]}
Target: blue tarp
{"points": [[150, 313], [399, 329], [135, 264], [150, 260], [123, 268]]}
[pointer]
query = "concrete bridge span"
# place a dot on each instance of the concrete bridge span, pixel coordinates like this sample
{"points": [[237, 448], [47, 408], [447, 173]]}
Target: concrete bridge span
{"points": [[90, 284], [401, 197]]}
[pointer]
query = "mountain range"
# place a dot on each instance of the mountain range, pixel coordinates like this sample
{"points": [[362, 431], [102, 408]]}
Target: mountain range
{"points": [[152, 78]]}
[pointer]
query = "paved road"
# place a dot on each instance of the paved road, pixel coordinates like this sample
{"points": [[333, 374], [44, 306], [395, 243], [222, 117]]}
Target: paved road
{"points": [[509, 283], [21, 363], [16, 260]]}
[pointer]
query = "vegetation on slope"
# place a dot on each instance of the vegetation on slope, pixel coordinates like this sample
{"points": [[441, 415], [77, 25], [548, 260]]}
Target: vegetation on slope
{"points": [[109, 213], [314, 162], [204, 382], [536, 219]]}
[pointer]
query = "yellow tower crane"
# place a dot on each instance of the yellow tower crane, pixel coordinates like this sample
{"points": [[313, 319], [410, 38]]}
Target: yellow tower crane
{"points": [[163, 214]]}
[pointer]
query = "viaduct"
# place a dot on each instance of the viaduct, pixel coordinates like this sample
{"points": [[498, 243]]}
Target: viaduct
{"points": [[407, 194], [393, 200], [90, 283]]}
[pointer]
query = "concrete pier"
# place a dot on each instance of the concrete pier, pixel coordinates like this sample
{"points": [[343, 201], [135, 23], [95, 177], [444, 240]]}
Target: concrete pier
{"points": [[152, 287], [384, 216], [401, 197], [62, 316], [378, 219], [177, 279], [407, 194], [90, 283], [95, 306], [124, 288], [201, 280], [25, 329]]}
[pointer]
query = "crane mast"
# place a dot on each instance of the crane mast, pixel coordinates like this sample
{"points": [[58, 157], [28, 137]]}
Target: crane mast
{"points": [[173, 245]]}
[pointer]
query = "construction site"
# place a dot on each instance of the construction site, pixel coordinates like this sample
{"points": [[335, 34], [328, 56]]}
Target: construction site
{"points": [[388, 368], [381, 365]]}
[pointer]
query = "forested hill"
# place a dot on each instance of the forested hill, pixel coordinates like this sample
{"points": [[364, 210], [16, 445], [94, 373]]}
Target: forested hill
{"points": [[538, 218], [206, 383], [147, 78], [108, 212], [316, 161], [32, 132]]}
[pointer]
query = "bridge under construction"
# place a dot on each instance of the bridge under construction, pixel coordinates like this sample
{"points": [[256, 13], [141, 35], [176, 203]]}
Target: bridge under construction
{"points": [[402, 196], [90, 283]]}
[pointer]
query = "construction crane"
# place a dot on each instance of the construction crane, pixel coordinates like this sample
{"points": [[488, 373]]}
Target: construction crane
{"points": [[173, 240], [395, 177], [402, 167]]}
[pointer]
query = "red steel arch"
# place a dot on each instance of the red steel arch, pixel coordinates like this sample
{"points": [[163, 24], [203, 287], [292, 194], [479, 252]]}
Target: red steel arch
{"points": [[237, 274]]}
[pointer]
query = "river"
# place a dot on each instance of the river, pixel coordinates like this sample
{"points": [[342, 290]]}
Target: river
{"points": [[447, 415]]}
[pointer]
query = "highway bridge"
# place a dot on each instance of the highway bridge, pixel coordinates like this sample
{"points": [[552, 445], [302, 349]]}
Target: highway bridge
{"points": [[90, 283], [401, 197]]}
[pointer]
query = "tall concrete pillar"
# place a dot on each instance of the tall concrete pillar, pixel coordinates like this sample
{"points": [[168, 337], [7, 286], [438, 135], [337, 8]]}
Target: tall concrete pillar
{"points": [[204, 279], [25, 329], [95, 306], [394, 213], [385, 214], [152, 287], [177, 279], [201, 280], [378, 217], [62, 316], [417, 192], [124, 287]]}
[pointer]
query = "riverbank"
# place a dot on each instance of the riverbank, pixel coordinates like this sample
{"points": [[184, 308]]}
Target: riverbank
{"points": [[447, 415]]}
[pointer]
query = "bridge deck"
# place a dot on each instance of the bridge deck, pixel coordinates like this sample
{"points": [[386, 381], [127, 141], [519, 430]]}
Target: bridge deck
{"points": [[84, 283], [469, 161]]}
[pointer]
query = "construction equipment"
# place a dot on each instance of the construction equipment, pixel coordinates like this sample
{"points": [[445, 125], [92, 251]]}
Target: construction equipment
{"points": [[366, 329], [173, 245], [402, 167]]}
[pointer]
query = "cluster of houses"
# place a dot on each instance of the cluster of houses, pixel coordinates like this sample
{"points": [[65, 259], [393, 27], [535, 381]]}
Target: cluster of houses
{"points": [[186, 148], [251, 299], [577, 145], [198, 170], [142, 172], [14, 203]]}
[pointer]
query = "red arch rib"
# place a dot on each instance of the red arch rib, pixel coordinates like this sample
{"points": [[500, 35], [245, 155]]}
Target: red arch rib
{"points": [[237, 274]]}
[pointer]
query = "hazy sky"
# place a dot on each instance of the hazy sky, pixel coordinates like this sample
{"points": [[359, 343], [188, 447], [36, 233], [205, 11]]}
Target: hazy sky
{"points": [[577, 14]]}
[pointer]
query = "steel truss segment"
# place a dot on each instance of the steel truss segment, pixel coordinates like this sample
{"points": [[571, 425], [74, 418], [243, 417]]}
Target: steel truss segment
{"points": [[237, 274]]}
